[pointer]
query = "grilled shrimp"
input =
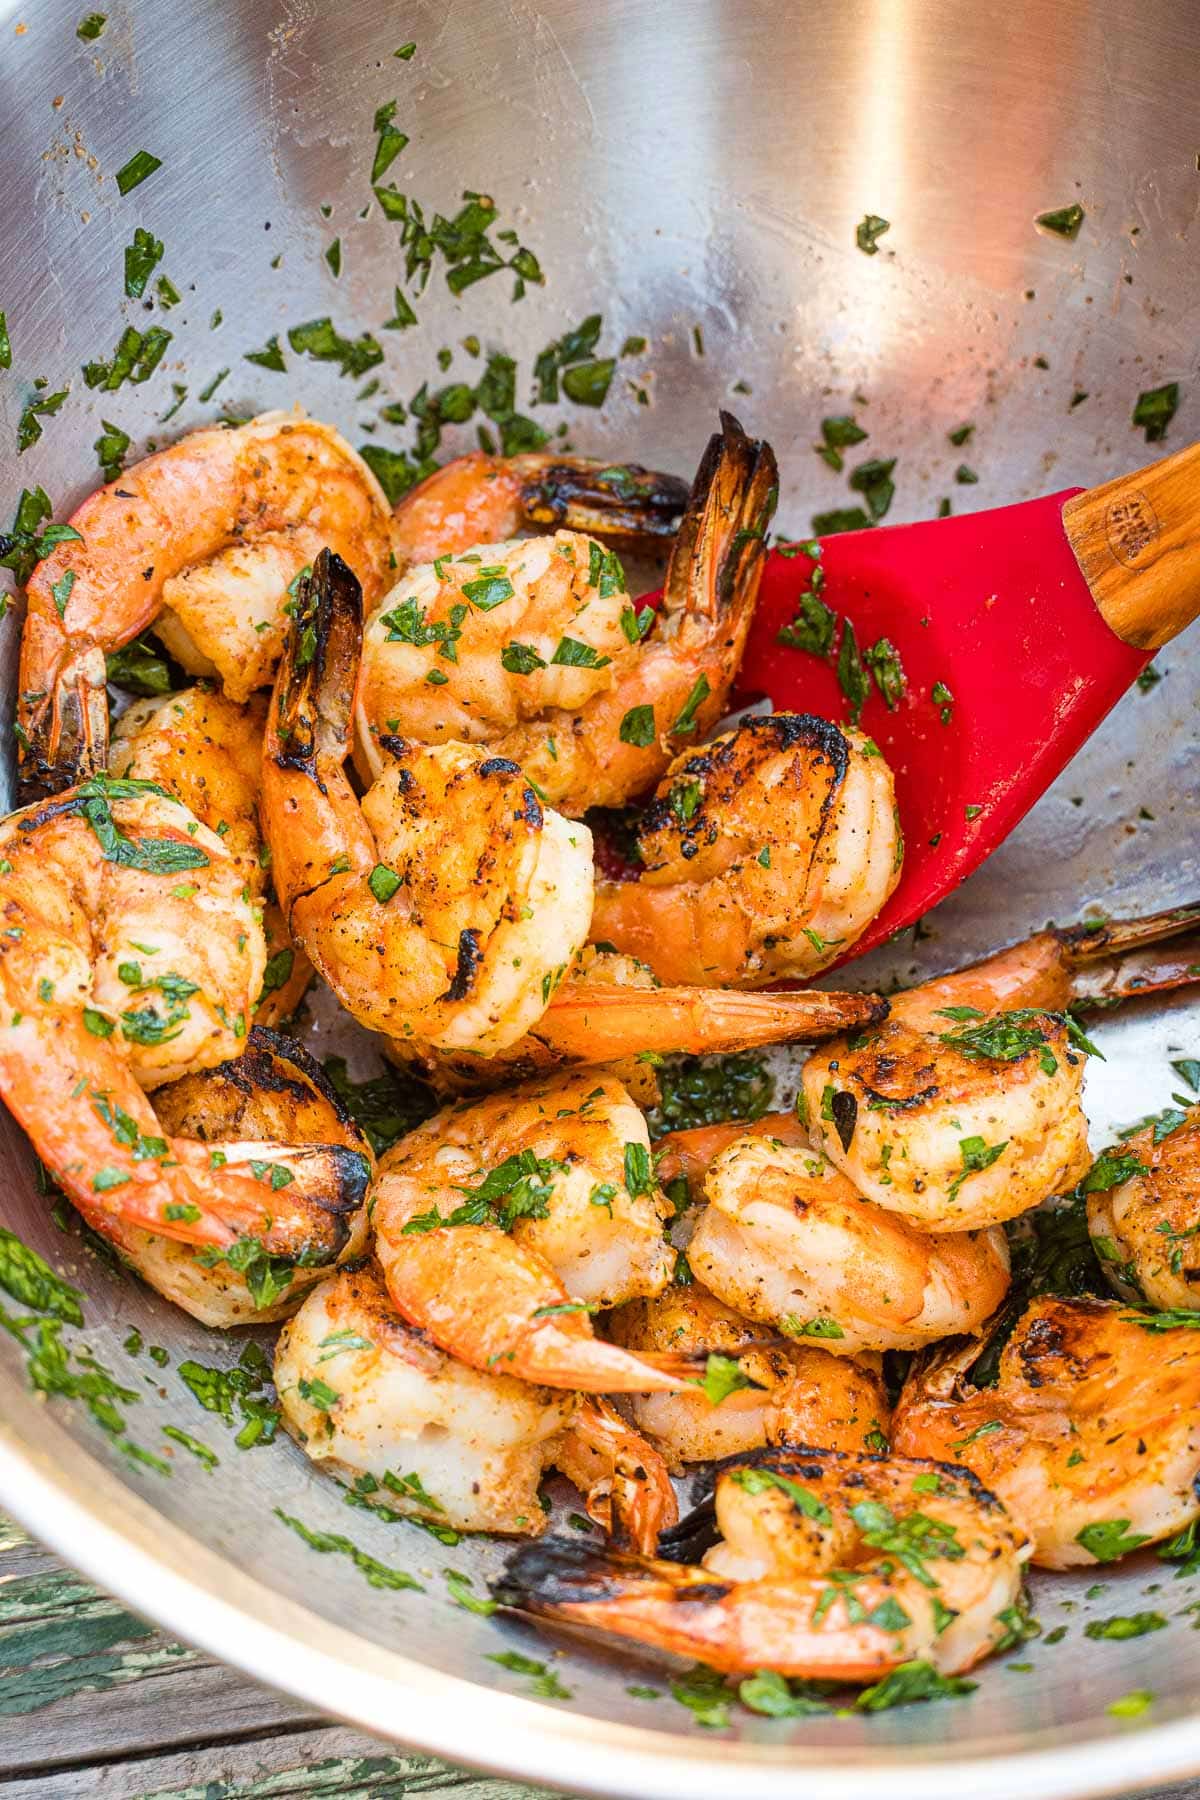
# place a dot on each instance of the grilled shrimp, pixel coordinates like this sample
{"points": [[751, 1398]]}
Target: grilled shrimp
{"points": [[610, 1010], [1090, 1434], [130, 955], [964, 1108], [207, 751], [501, 1226], [200, 539], [409, 1428], [480, 499], [832, 1567], [787, 1240], [764, 854], [273, 1091], [1144, 1230], [447, 905], [382, 1408], [799, 1395], [533, 648]]}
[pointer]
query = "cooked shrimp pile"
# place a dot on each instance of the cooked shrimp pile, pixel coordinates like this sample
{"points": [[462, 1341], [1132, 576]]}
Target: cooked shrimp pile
{"points": [[378, 773]]}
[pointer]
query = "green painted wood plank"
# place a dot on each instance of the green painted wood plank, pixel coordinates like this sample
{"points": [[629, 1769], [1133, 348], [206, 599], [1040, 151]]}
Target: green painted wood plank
{"points": [[331, 1763], [95, 1705]]}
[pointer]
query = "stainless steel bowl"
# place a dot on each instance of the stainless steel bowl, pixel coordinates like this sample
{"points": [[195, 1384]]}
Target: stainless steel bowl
{"points": [[694, 170]]}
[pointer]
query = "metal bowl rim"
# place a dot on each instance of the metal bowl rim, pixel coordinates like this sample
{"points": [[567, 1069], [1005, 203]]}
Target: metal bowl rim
{"points": [[118, 1540]]}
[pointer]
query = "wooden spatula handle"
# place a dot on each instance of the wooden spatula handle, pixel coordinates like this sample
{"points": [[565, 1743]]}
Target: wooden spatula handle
{"points": [[1137, 541]]}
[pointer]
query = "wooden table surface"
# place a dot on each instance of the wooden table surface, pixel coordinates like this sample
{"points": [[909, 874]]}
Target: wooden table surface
{"points": [[97, 1705]]}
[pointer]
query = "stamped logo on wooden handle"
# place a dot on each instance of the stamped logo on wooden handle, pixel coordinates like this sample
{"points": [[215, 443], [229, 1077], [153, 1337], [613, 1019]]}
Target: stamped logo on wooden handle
{"points": [[1131, 527]]}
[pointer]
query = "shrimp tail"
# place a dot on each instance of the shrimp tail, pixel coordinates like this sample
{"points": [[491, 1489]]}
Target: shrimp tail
{"points": [[717, 560], [1116, 959], [599, 1024], [693, 1152], [606, 499], [579, 1583], [559, 1358], [1095, 939], [308, 739], [623, 1478], [64, 728], [310, 1191], [314, 696]]}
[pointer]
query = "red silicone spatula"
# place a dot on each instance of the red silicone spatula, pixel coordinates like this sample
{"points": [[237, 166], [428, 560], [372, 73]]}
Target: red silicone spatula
{"points": [[1035, 618]]}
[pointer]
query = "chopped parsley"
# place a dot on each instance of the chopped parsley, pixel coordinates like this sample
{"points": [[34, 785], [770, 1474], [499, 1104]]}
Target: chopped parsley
{"points": [[378, 1574], [137, 355], [838, 434], [1120, 1628], [546, 1685], [873, 480], [851, 672], [572, 654], [110, 448], [868, 232], [193, 1446], [722, 1376], [221, 1391], [707, 1090], [1155, 409], [759, 1481], [29, 539], [810, 1328], [517, 1188], [385, 1106], [685, 724], [142, 257], [140, 166], [1131, 1705], [1109, 1539], [319, 339], [637, 727], [909, 1683], [459, 1588], [29, 1279], [1111, 1168], [1063, 221], [383, 882], [883, 660], [521, 659], [976, 1156], [269, 357], [29, 429], [814, 627]]}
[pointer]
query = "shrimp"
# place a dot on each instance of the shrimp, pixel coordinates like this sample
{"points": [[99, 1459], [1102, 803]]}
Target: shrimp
{"points": [[501, 1226], [796, 1394], [832, 1567], [410, 1429], [449, 903], [212, 530], [787, 1240], [964, 1108], [130, 956], [625, 1482], [1090, 1433], [1144, 1229], [207, 752], [764, 854], [532, 647], [610, 1010], [273, 1090], [479, 499]]}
